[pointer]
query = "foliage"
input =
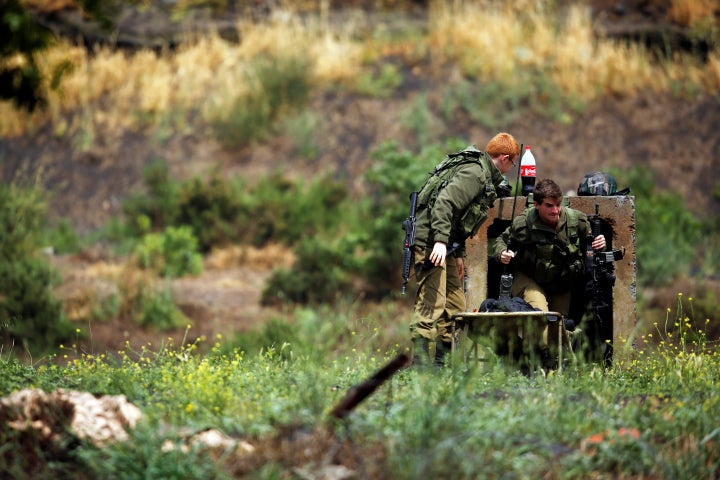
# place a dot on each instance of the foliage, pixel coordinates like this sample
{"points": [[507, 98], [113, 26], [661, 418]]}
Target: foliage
{"points": [[497, 103], [29, 311], [321, 273], [148, 302], [221, 210], [21, 35], [276, 84], [158, 309], [173, 253], [211, 209], [381, 82], [667, 233], [22, 41], [156, 209], [63, 238], [281, 210], [653, 414]]}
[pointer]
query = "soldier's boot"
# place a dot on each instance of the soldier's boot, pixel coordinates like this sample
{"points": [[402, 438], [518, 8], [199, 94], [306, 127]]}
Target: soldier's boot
{"points": [[442, 350], [421, 352], [548, 361]]}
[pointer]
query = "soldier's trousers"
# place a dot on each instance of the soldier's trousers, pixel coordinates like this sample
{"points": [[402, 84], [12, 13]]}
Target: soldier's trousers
{"points": [[440, 295], [525, 287]]}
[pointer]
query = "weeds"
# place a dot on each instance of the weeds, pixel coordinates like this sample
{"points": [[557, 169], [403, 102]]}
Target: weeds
{"points": [[650, 415]]}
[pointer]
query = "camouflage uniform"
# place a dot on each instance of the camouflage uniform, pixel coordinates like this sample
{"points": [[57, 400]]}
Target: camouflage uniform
{"points": [[459, 210], [548, 262]]}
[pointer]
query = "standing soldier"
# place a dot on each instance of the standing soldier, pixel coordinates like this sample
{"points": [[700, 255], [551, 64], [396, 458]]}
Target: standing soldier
{"points": [[451, 206]]}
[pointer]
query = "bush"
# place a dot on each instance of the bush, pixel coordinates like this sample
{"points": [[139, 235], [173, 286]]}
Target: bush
{"points": [[277, 84], [159, 206], [283, 211], [212, 209], [28, 309], [157, 309], [321, 273], [667, 233], [63, 238], [173, 253]]}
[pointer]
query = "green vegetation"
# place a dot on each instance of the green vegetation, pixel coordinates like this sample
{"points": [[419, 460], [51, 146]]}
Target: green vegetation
{"points": [[652, 415], [174, 223], [29, 313], [173, 253], [275, 86], [290, 371]]}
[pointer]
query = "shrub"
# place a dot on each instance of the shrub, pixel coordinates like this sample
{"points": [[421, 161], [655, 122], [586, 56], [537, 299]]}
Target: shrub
{"points": [[28, 309], [381, 82], [159, 206], [280, 210], [321, 273], [157, 309], [276, 84], [63, 238], [143, 300], [667, 233], [173, 253], [211, 209]]}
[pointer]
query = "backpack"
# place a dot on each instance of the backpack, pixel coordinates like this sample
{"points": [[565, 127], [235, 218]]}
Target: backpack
{"points": [[442, 173], [599, 183], [475, 214]]}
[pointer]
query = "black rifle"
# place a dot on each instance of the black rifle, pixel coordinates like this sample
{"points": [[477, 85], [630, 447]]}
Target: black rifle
{"points": [[506, 279], [409, 226], [601, 276]]}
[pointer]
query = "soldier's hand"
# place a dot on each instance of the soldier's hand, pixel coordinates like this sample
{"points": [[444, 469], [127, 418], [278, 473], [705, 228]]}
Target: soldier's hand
{"points": [[438, 254], [460, 267], [598, 243], [506, 256]]}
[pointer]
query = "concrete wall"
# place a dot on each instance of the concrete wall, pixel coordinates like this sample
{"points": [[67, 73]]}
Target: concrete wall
{"points": [[617, 211]]}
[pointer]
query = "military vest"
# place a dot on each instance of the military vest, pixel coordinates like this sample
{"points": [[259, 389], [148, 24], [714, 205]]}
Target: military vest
{"points": [[554, 262]]}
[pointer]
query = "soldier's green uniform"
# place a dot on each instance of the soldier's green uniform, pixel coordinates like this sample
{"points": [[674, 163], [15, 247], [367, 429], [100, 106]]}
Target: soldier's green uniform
{"points": [[548, 262], [457, 213]]}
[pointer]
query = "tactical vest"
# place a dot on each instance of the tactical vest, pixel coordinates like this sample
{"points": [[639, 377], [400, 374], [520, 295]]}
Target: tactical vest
{"points": [[554, 264], [465, 223]]}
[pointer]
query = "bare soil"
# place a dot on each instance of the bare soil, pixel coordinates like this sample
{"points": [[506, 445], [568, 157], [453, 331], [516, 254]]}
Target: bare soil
{"points": [[676, 138]]}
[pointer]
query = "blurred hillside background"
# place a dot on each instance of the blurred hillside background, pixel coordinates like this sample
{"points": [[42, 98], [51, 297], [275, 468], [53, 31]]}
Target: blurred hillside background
{"points": [[225, 164]]}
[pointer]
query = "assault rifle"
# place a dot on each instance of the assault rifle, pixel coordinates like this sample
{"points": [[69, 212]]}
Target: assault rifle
{"points": [[409, 226], [601, 276], [506, 279]]}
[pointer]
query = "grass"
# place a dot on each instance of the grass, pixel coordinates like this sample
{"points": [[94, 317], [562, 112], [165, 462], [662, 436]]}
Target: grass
{"points": [[115, 90], [650, 416]]}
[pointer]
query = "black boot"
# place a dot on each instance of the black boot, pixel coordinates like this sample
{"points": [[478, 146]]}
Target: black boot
{"points": [[548, 361], [442, 349], [421, 352]]}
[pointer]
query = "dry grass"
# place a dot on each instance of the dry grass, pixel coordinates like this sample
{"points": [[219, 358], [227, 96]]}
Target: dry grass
{"points": [[572, 56], [689, 13], [114, 90], [266, 258]]}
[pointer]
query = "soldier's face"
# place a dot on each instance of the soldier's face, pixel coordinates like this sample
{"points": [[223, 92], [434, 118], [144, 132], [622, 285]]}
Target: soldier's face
{"points": [[549, 210]]}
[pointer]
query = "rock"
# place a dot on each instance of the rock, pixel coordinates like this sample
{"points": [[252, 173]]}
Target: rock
{"points": [[47, 417]]}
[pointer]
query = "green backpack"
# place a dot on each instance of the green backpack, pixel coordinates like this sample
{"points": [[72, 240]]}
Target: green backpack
{"points": [[443, 172], [476, 213]]}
